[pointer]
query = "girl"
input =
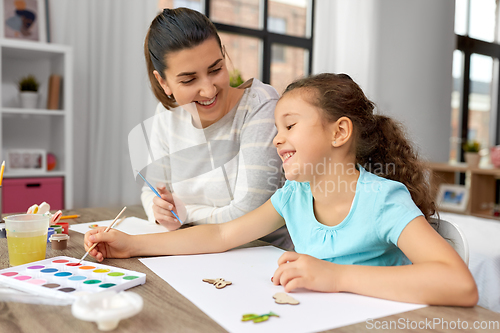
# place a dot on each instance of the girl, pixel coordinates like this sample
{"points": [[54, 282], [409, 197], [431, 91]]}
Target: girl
{"points": [[353, 231], [199, 119]]}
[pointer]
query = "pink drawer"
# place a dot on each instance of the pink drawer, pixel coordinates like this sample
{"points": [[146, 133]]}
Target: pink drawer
{"points": [[18, 194]]}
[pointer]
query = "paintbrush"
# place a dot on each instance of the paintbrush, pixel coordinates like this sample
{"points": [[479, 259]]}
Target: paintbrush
{"points": [[107, 229], [120, 221], [156, 192]]}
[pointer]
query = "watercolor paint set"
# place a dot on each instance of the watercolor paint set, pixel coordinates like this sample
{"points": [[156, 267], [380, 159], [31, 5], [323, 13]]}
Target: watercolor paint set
{"points": [[64, 278]]}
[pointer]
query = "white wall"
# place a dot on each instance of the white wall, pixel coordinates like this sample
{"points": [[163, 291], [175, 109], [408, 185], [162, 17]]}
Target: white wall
{"points": [[111, 92], [405, 57], [415, 70]]}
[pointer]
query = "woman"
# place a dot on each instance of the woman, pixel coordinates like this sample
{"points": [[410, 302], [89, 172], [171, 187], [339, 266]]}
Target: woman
{"points": [[212, 143]]}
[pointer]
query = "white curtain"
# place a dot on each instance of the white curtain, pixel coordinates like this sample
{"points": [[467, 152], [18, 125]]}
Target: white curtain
{"points": [[111, 92], [345, 40]]}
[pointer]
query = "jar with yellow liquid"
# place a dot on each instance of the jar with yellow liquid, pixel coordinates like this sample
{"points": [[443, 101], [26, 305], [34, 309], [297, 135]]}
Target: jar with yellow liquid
{"points": [[26, 237]]}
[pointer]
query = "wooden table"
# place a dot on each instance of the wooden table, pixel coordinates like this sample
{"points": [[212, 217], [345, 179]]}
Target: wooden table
{"points": [[165, 310]]}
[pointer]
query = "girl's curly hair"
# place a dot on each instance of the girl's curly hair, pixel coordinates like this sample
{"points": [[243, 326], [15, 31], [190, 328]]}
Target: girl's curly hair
{"points": [[381, 143]]}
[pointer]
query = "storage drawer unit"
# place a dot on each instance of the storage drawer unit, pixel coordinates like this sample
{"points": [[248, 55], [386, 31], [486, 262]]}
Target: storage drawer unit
{"points": [[18, 194]]}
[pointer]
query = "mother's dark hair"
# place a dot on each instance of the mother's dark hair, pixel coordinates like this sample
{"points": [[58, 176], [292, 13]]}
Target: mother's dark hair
{"points": [[171, 31]]}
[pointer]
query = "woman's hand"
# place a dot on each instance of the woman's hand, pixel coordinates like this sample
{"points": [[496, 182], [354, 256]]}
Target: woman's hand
{"points": [[303, 271], [162, 209], [112, 244]]}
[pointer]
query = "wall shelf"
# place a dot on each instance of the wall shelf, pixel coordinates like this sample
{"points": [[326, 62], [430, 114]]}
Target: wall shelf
{"points": [[34, 112], [480, 181], [39, 128], [28, 173]]}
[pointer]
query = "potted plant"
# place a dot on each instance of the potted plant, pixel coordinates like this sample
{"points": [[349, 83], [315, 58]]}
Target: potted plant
{"points": [[235, 78], [28, 90], [471, 149]]}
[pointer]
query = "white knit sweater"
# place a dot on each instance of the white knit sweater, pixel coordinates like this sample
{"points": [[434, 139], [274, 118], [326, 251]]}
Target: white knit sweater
{"points": [[220, 172]]}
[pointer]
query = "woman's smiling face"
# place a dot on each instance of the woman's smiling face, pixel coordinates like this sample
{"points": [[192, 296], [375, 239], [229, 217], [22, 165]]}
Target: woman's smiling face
{"points": [[199, 75]]}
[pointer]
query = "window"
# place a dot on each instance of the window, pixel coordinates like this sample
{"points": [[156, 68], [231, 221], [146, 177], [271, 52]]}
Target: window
{"points": [[243, 54], [288, 64], [476, 71], [242, 13], [267, 39], [277, 25], [277, 53]]}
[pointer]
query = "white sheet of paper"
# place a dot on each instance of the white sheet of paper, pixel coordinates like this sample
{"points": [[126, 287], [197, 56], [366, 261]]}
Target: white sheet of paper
{"points": [[250, 271], [131, 226]]}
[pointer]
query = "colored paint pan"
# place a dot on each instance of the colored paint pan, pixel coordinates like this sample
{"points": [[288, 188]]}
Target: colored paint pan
{"points": [[114, 276], [73, 267], [61, 277], [34, 270]]}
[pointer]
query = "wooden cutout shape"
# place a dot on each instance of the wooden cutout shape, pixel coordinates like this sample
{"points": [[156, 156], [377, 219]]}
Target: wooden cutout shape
{"points": [[93, 226], [256, 318], [218, 283], [284, 298]]}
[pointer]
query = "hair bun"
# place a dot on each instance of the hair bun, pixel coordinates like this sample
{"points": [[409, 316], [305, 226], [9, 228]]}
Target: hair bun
{"points": [[345, 76]]}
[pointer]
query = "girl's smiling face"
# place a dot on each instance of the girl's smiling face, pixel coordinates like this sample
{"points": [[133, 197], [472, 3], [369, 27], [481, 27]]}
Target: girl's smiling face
{"points": [[199, 74], [304, 138]]}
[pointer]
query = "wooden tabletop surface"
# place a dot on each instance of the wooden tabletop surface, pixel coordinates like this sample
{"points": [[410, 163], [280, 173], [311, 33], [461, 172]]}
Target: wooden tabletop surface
{"points": [[165, 310]]}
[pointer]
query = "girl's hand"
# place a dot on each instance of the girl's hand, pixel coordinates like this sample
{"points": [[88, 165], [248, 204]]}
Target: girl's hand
{"points": [[112, 244], [303, 271], [162, 209]]}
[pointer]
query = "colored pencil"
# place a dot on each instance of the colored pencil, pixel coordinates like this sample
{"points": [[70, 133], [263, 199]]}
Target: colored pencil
{"points": [[1, 172], [107, 229], [69, 217], [158, 194]]}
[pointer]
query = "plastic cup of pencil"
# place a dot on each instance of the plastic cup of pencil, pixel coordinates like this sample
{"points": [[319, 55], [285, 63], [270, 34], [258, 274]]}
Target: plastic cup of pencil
{"points": [[26, 237]]}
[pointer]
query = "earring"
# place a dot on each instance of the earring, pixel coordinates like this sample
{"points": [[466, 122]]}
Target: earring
{"points": [[334, 142]]}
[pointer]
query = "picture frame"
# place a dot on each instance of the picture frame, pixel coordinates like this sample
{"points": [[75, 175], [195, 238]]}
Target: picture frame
{"points": [[24, 20], [453, 198], [21, 160]]}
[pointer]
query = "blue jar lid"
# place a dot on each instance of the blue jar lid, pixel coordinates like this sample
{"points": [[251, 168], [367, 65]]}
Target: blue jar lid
{"points": [[50, 232]]}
